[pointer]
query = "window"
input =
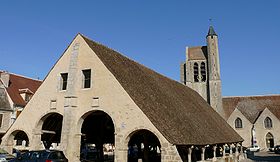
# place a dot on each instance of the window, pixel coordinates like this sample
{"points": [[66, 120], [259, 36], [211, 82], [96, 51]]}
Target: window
{"points": [[203, 72], [238, 123], [1, 119], [195, 72], [86, 78], [63, 84], [267, 122]]}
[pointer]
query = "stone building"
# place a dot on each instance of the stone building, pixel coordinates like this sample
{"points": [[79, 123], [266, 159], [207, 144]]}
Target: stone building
{"points": [[253, 117], [259, 114], [15, 92], [97, 103], [201, 71]]}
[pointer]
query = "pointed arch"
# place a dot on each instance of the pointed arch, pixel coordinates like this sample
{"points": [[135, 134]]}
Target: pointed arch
{"points": [[269, 140], [238, 123], [268, 123]]}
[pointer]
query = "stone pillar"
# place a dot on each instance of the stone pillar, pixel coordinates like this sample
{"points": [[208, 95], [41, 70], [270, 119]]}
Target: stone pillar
{"points": [[241, 156], [23, 143], [203, 153], [236, 153], [224, 150], [35, 141], [121, 148], [169, 153], [214, 153], [70, 138], [8, 144], [230, 150], [190, 154]]}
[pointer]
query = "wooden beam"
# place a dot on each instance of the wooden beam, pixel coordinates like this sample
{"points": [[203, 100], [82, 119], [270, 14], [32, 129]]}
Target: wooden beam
{"points": [[48, 131]]}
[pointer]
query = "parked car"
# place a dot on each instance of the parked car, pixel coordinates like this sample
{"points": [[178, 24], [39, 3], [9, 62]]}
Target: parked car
{"points": [[41, 156], [5, 156], [255, 148], [277, 149]]}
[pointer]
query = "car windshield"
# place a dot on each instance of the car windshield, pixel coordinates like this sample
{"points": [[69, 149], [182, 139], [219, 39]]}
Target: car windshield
{"points": [[44, 154], [56, 155]]}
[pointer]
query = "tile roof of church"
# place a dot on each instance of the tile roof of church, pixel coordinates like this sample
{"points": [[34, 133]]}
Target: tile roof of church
{"points": [[197, 53], [18, 82], [252, 106], [179, 113]]}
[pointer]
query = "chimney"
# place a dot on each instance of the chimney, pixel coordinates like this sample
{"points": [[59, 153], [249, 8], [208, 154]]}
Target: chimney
{"points": [[5, 77]]}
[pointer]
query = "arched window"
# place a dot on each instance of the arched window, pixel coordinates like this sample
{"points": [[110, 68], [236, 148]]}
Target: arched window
{"points": [[203, 72], [195, 72], [267, 122], [238, 123]]}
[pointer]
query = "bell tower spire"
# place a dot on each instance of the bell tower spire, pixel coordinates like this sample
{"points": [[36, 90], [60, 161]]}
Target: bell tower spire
{"points": [[213, 62]]}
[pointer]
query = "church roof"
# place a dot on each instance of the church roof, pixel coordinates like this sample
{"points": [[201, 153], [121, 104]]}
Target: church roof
{"points": [[252, 106], [211, 31], [197, 53], [179, 113], [17, 82]]}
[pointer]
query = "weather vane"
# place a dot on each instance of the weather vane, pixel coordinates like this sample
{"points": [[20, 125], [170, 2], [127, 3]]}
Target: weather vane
{"points": [[210, 21]]}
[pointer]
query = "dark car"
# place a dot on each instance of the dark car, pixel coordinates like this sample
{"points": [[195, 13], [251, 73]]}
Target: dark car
{"points": [[277, 149], [41, 156]]}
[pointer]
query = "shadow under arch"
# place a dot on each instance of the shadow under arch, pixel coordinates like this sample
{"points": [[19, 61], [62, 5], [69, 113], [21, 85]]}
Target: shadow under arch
{"points": [[97, 136], [143, 144], [50, 126], [19, 139]]}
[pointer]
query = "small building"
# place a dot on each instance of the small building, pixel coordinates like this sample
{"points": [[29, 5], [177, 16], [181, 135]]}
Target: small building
{"points": [[15, 92], [96, 103], [255, 117]]}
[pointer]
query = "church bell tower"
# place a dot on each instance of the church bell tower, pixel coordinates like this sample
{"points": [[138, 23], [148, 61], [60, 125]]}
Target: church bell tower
{"points": [[201, 71], [214, 79]]}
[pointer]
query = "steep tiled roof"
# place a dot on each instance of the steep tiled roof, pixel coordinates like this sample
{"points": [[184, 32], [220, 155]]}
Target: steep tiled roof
{"points": [[179, 113], [197, 53], [252, 106], [18, 82]]}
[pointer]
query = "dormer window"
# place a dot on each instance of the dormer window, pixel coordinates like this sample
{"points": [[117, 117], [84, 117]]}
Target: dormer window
{"points": [[26, 94], [86, 78], [63, 81]]}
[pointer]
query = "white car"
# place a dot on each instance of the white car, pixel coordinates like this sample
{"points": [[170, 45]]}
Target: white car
{"points": [[254, 148]]}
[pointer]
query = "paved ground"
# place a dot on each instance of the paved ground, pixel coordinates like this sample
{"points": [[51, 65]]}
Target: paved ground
{"points": [[262, 156]]}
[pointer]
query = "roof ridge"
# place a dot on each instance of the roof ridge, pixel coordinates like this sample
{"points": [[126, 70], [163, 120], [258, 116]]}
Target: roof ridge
{"points": [[127, 57], [268, 95], [22, 76]]}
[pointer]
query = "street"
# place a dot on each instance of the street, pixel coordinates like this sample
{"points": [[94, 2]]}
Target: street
{"points": [[262, 156]]}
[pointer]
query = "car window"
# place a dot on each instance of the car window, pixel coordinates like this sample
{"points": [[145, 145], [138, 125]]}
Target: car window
{"points": [[56, 155], [35, 155], [44, 154]]}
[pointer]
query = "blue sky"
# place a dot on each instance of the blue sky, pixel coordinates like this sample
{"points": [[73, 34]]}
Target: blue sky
{"points": [[155, 33]]}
